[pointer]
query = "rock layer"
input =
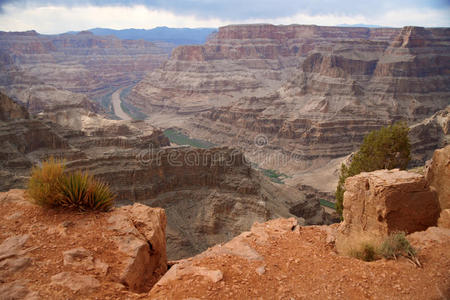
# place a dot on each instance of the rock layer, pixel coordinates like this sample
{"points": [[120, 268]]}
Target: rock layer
{"points": [[312, 91]]}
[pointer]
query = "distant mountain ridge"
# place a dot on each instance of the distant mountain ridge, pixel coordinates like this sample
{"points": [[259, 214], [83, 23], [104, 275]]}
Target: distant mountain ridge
{"points": [[177, 36]]}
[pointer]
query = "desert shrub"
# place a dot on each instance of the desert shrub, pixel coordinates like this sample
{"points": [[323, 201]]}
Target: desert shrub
{"points": [[386, 148], [366, 252], [397, 245], [49, 186], [43, 186]]}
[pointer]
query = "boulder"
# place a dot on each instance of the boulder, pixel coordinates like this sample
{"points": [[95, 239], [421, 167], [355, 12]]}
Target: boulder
{"points": [[151, 223], [379, 203], [438, 175], [141, 237]]}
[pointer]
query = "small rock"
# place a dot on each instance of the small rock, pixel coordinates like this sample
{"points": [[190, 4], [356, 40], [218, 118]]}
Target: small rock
{"points": [[261, 270]]}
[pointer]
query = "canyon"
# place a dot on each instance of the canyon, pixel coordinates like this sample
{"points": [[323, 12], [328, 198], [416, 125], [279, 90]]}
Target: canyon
{"points": [[309, 94], [290, 102], [43, 71], [210, 195], [296, 100]]}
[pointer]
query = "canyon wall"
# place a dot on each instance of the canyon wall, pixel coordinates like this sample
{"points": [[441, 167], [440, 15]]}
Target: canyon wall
{"points": [[312, 92], [41, 69]]}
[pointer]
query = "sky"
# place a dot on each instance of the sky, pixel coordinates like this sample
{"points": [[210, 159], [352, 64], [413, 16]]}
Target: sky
{"points": [[57, 16]]}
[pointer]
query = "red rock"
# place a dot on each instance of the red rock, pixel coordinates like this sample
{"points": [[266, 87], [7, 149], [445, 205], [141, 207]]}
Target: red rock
{"points": [[382, 202]]}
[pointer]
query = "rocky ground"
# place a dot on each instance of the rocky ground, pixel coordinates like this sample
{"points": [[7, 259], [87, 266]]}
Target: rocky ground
{"points": [[55, 254], [40, 257], [277, 260], [122, 254]]}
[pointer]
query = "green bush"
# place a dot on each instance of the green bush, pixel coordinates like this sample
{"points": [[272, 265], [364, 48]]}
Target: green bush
{"points": [[386, 148], [49, 186]]}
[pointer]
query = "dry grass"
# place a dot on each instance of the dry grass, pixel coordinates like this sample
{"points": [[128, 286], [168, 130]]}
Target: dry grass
{"points": [[43, 186], [369, 248]]}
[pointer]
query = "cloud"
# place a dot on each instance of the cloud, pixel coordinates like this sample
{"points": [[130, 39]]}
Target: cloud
{"points": [[58, 19], [256, 9], [61, 16]]}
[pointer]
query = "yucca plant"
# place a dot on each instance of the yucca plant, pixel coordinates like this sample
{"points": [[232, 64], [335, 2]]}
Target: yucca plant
{"points": [[43, 186], [99, 196], [81, 191], [73, 189]]}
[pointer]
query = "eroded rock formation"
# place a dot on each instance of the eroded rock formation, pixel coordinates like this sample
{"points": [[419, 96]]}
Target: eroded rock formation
{"points": [[312, 91], [47, 253]]}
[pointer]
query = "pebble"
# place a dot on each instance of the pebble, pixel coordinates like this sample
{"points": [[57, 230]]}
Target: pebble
{"points": [[261, 270]]}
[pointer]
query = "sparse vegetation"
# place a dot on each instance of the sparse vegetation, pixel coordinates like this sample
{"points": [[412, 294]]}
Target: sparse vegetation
{"points": [[49, 186], [397, 245], [81, 191], [386, 148], [394, 246], [366, 252]]}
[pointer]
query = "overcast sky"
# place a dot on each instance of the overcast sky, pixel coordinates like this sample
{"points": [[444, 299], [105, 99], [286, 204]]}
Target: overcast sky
{"points": [[56, 16]]}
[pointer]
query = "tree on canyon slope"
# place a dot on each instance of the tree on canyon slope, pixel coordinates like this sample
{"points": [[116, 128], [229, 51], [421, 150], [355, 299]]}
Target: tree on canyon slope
{"points": [[386, 148]]}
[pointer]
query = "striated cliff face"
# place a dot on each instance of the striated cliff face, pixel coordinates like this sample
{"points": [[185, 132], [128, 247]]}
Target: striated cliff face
{"points": [[210, 195], [41, 69], [312, 91]]}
